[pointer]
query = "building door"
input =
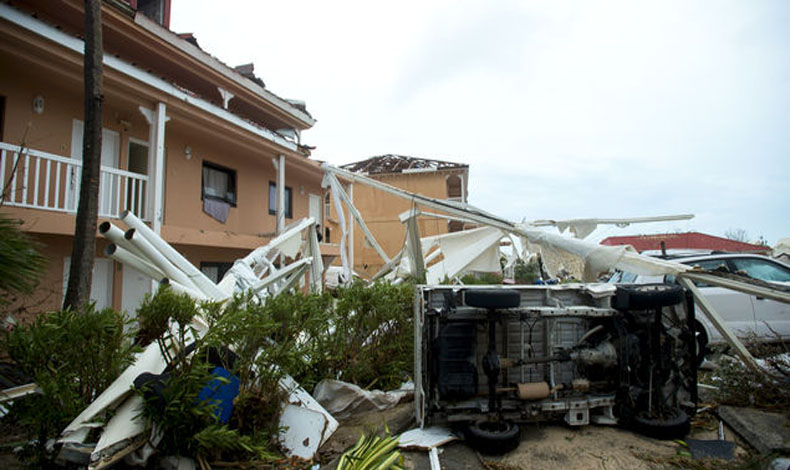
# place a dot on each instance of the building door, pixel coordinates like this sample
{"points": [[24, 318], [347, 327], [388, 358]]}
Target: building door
{"points": [[136, 191], [110, 157], [135, 286], [316, 203], [101, 281]]}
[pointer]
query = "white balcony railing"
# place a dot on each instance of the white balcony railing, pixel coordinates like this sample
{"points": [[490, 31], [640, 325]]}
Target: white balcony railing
{"points": [[40, 180]]}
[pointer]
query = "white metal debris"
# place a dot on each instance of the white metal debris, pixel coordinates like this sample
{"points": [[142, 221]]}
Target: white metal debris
{"points": [[595, 258], [426, 438], [144, 250]]}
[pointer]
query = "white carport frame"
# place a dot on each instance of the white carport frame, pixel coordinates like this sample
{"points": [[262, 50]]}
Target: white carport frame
{"points": [[616, 257]]}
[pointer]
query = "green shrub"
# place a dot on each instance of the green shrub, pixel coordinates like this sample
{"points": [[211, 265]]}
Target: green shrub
{"points": [[369, 340], [526, 273], [166, 319], [20, 262], [72, 356], [363, 336], [481, 279]]}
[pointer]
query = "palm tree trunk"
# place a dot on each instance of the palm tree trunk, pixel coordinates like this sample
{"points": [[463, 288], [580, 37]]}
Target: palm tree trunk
{"points": [[84, 246]]}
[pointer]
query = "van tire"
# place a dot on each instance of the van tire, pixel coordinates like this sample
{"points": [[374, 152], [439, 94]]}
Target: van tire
{"points": [[675, 425], [647, 296], [492, 298], [493, 437]]}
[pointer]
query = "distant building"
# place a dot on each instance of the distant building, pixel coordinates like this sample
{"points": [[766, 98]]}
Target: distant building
{"points": [[685, 242], [432, 178]]}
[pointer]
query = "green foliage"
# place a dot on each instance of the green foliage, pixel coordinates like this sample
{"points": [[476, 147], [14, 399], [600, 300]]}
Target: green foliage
{"points": [[166, 319], [526, 273], [372, 452], [155, 314], [20, 262], [481, 279], [72, 356], [369, 338], [219, 438], [364, 336], [177, 412]]}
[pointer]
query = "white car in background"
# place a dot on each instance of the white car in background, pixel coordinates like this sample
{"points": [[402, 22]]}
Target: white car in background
{"points": [[749, 316]]}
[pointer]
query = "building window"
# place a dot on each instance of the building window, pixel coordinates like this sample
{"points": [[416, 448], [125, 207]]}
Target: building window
{"points": [[273, 200], [219, 183], [154, 9], [327, 206], [215, 270]]}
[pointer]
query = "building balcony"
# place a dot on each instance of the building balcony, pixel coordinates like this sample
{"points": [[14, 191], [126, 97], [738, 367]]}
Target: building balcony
{"points": [[35, 179]]}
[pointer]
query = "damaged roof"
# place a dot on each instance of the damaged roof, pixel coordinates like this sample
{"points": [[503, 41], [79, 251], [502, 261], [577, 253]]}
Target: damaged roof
{"points": [[399, 164]]}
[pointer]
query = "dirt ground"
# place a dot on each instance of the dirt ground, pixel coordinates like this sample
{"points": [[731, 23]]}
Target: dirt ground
{"points": [[601, 447], [543, 446], [555, 446]]}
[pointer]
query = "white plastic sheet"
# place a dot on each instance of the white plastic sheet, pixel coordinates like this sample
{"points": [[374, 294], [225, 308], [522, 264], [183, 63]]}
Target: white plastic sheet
{"points": [[344, 400], [469, 250], [598, 258]]}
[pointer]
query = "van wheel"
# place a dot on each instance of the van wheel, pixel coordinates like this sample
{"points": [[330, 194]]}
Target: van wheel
{"points": [[672, 425], [646, 296], [493, 437]]}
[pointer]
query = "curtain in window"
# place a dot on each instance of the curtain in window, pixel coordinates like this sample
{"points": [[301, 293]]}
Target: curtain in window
{"points": [[215, 183]]}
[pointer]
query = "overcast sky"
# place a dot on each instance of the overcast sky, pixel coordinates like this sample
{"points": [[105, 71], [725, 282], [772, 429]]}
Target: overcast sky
{"points": [[568, 109]]}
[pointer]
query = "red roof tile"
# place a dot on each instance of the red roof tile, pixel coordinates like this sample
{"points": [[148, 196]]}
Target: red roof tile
{"points": [[688, 241]]}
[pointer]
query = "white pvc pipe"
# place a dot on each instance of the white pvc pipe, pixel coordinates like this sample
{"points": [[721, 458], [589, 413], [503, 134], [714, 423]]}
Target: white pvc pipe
{"points": [[199, 279], [272, 278], [182, 289], [115, 235], [157, 259], [130, 259]]}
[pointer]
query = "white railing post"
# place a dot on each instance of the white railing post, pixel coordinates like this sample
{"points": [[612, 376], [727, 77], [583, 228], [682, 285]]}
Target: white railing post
{"points": [[57, 185], [2, 172], [46, 185], [25, 180], [12, 194], [35, 186]]}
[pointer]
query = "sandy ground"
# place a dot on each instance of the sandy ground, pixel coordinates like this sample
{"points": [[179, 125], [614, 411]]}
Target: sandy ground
{"points": [[600, 447], [543, 446]]}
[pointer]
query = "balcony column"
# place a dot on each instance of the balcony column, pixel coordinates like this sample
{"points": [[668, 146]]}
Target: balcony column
{"points": [[156, 164], [351, 231], [279, 167], [463, 187]]}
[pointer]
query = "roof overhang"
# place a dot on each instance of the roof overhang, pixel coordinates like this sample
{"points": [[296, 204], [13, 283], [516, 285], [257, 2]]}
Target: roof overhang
{"points": [[114, 64]]}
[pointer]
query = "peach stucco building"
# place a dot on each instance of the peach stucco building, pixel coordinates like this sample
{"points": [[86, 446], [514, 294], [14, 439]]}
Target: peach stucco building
{"points": [[196, 148], [381, 211]]}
